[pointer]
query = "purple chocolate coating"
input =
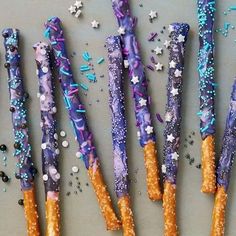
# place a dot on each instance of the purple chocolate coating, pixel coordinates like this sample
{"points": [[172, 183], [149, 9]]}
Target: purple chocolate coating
{"points": [[17, 103], [136, 69], [174, 94], [116, 103], [206, 10], [49, 145], [229, 143], [70, 92]]}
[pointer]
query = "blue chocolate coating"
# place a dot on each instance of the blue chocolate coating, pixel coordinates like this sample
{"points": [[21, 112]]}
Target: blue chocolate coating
{"points": [[173, 106], [50, 149], [116, 103], [70, 92], [206, 10], [136, 69], [17, 103], [229, 143]]}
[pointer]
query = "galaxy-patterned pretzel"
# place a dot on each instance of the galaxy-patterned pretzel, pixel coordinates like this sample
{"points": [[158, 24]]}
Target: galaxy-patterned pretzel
{"points": [[49, 147], [140, 94], [119, 131], [224, 168], [179, 33], [206, 9], [78, 120], [20, 128]]}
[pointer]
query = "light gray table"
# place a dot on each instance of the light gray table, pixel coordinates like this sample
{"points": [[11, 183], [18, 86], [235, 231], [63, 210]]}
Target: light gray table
{"points": [[80, 213]]}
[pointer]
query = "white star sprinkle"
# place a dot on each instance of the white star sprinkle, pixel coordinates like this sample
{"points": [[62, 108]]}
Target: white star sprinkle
{"points": [[153, 14], [135, 80], [159, 66], [181, 38], [178, 73], [175, 156], [168, 117], [78, 4], [72, 9], [149, 129], [158, 50], [142, 102], [174, 91], [163, 169], [121, 30], [172, 64], [171, 28], [170, 138], [167, 43], [95, 24]]}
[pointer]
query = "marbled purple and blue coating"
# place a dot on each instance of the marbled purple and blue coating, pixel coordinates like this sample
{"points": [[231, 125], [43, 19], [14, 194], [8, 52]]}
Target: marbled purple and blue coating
{"points": [[179, 36], [17, 104], [116, 103], [50, 149], [229, 143], [136, 69], [206, 11], [71, 94]]}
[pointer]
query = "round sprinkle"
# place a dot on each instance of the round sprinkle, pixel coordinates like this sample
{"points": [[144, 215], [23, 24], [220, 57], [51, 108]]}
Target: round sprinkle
{"points": [[78, 154], [42, 98], [57, 151], [45, 177], [75, 169], [54, 171], [45, 69], [43, 146], [65, 144], [57, 176], [21, 202], [63, 133], [54, 109]]}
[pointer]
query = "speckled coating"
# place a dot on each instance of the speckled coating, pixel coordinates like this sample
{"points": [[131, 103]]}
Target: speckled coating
{"points": [[49, 145], [116, 103], [174, 99]]}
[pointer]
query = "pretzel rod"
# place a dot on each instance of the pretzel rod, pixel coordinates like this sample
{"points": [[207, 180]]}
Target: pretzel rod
{"points": [[140, 95], [49, 144], [206, 10], [78, 119], [19, 121], [224, 168], [178, 33], [119, 131]]}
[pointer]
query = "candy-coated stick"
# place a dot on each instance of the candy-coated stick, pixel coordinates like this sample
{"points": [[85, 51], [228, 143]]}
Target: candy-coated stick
{"points": [[224, 168], [78, 120], [19, 121], [140, 95], [178, 33], [49, 144], [206, 11], [119, 131]]}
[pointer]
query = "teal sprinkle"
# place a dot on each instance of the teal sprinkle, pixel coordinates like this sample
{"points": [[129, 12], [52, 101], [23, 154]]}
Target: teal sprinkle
{"points": [[100, 60], [81, 111], [233, 8], [46, 33], [84, 86], [4, 190]]}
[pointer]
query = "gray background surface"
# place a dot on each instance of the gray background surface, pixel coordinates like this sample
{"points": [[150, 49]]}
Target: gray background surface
{"points": [[80, 213]]}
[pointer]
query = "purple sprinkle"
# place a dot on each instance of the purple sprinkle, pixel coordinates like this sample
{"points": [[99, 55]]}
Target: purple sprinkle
{"points": [[150, 67], [153, 60], [158, 116], [152, 36]]}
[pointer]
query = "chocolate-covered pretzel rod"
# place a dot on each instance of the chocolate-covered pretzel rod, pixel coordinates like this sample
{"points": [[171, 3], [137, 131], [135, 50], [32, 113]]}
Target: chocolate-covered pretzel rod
{"points": [[140, 94], [19, 121], [49, 147], [75, 109], [179, 33], [224, 168], [119, 130], [206, 9]]}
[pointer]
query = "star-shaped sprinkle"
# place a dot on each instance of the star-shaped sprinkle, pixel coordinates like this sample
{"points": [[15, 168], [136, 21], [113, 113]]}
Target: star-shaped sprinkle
{"points": [[149, 129], [163, 169], [142, 102], [174, 91], [172, 64], [158, 50], [175, 156], [178, 73], [153, 14], [167, 43], [170, 138], [181, 38], [72, 9], [171, 28], [95, 24], [168, 117], [121, 30], [159, 66], [135, 80], [78, 4]]}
